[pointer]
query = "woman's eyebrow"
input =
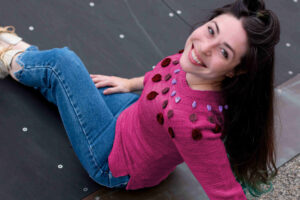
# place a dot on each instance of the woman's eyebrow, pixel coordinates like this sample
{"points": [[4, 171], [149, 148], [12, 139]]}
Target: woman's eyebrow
{"points": [[225, 43]]}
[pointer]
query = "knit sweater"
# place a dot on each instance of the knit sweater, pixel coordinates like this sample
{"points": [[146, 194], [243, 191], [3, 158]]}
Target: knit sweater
{"points": [[169, 124]]}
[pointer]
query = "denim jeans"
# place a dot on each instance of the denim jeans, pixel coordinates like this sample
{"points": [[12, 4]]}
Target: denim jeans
{"points": [[88, 116]]}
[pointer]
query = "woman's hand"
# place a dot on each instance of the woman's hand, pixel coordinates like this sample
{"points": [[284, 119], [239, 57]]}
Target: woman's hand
{"points": [[118, 84]]}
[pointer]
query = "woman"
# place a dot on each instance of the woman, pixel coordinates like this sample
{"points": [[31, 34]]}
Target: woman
{"points": [[210, 105]]}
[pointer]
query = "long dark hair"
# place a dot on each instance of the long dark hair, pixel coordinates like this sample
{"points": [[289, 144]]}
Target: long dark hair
{"points": [[248, 133]]}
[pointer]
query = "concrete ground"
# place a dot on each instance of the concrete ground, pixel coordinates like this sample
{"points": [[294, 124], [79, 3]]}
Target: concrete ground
{"points": [[287, 182]]}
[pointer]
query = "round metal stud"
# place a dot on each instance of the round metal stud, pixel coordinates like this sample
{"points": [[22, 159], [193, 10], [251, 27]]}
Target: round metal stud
{"points": [[92, 4], [31, 28]]}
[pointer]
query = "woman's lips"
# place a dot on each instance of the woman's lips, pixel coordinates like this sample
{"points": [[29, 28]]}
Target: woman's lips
{"points": [[191, 58]]}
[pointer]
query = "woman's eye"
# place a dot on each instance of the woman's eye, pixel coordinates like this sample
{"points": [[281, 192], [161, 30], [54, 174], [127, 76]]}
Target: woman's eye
{"points": [[225, 54], [211, 31]]}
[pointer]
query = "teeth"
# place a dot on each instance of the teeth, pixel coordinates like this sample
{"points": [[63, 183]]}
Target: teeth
{"points": [[195, 58]]}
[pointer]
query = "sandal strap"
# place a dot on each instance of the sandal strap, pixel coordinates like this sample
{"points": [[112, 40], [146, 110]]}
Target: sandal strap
{"points": [[7, 55], [7, 29], [8, 35], [10, 38]]}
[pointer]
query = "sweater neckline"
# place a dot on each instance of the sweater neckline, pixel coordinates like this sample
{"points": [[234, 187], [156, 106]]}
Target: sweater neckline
{"points": [[185, 89]]}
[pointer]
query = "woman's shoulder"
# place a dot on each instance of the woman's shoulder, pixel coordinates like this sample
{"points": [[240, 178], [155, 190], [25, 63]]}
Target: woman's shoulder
{"points": [[164, 69], [202, 122], [168, 61]]}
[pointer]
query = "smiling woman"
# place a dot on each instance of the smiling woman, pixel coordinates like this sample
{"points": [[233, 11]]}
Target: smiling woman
{"points": [[218, 44], [210, 106], [237, 43]]}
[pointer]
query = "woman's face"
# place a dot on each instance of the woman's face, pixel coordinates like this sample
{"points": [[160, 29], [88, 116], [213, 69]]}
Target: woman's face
{"points": [[219, 44]]}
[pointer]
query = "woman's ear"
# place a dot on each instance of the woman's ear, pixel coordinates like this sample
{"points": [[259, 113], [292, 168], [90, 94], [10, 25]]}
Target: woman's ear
{"points": [[232, 73]]}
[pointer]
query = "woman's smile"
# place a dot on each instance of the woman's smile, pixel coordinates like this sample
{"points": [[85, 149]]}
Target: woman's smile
{"points": [[194, 58]]}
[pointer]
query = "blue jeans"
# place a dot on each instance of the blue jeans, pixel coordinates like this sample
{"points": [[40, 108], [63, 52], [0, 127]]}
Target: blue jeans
{"points": [[88, 116]]}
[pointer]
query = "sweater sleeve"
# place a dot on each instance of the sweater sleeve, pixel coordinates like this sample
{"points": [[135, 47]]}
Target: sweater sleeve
{"points": [[205, 155]]}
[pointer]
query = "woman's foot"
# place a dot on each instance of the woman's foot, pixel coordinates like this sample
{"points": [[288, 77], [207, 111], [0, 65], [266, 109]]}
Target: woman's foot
{"points": [[10, 46]]}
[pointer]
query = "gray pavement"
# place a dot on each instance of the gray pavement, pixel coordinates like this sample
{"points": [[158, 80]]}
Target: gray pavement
{"points": [[287, 183]]}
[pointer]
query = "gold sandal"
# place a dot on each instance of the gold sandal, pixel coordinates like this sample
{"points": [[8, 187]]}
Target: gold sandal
{"points": [[7, 35]]}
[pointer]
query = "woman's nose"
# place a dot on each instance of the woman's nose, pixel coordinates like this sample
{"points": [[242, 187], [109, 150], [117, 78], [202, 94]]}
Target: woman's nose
{"points": [[207, 47]]}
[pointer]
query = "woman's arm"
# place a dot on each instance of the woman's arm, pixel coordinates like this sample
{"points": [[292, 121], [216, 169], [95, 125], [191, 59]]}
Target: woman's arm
{"points": [[117, 84], [136, 83], [207, 159]]}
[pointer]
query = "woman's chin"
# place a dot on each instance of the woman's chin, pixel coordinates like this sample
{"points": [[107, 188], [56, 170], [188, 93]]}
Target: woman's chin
{"points": [[185, 65]]}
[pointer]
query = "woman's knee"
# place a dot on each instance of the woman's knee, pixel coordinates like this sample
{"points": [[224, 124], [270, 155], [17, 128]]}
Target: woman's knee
{"points": [[66, 57], [62, 53]]}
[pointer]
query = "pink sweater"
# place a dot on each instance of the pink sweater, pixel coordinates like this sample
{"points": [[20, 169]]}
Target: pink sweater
{"points": [[169, 124]]}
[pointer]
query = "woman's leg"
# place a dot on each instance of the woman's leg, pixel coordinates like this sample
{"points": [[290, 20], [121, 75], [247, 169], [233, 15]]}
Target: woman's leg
{"points": [[62, 79]]}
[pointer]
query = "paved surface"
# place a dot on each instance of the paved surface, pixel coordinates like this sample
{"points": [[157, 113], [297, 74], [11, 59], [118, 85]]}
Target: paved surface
{"points": [[287, 182]]}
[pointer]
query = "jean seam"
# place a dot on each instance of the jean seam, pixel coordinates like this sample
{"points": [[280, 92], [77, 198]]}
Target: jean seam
{"points": [[77, 115], [72, 104]]}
